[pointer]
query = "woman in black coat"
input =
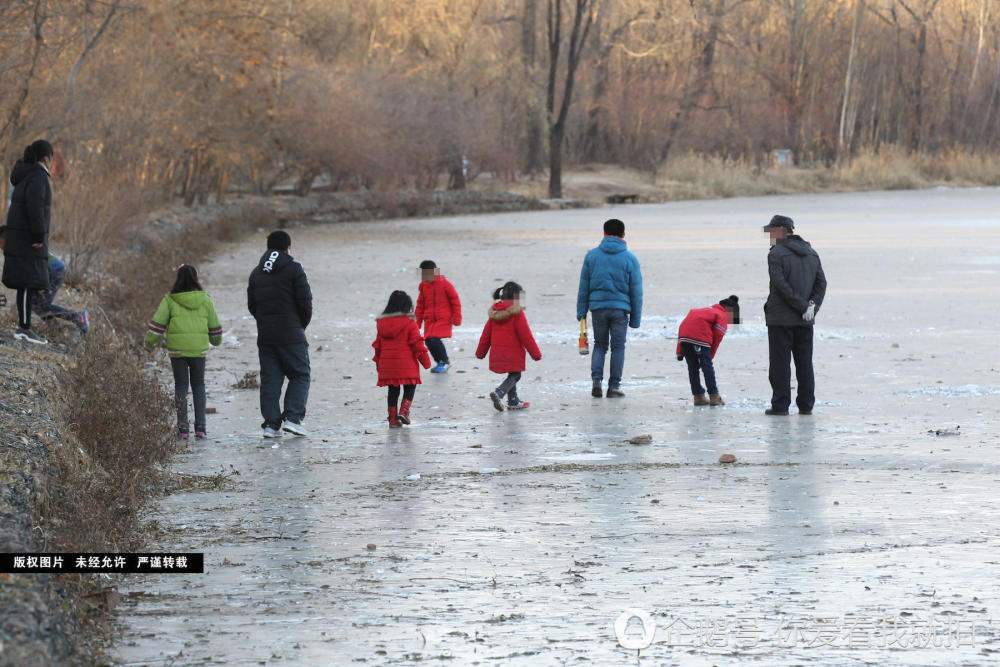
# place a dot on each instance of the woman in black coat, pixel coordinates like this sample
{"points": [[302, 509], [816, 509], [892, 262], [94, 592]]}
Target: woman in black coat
{"points": [[26, 239]]}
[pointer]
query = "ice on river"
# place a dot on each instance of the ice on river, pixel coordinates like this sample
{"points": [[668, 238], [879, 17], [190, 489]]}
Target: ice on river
{"points": [[856, 535]]}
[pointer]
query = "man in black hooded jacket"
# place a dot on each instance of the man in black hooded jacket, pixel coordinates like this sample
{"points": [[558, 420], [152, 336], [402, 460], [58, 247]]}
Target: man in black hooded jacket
{"points": [[798, 286], [280, 299]]}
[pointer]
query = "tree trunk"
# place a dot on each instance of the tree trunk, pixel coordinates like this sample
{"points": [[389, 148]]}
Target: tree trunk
{"points": [[699, 83], [916, 129], [984, 8], [14, 115], [848, 109], [533, 120], [991, 101], [577, 40], [555, 162]]}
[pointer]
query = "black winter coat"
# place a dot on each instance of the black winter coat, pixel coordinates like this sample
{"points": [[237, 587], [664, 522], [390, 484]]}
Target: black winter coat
{"points": [[279, 298], [796, 279], [25, 267]]}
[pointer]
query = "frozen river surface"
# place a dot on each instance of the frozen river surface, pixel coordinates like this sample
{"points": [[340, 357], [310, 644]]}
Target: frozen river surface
{"points": [[868, 533]]}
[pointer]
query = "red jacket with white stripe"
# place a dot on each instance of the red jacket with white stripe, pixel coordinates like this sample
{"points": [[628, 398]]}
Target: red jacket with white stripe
{"points": [[703, 326]]}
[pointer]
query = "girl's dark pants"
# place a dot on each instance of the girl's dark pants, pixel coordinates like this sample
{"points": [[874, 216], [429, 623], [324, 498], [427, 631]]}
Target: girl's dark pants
{"points": [[436, 348], [192, 368], [699, 357], [509, 387], [408, 391]]}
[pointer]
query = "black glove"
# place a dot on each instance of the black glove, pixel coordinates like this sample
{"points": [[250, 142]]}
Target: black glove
{"points": [[680, 357]]}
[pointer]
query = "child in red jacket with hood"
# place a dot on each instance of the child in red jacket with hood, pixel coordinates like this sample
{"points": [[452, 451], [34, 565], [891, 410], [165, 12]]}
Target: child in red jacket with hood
{"points": [[699, 337], [438, 309], [507, 336], [398, 349]]}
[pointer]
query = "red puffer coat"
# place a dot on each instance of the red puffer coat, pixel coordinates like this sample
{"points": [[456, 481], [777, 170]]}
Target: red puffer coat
{"points": [[703, 326], [438, 308], [398, 348], [507, 336]]}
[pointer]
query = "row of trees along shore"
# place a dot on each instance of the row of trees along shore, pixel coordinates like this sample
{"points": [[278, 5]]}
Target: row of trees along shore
{"points": [[152, 99]]}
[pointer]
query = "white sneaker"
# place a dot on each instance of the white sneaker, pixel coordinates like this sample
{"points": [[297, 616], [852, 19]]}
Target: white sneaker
{"points": [[30, 336], [271, 433], [295, 429]]}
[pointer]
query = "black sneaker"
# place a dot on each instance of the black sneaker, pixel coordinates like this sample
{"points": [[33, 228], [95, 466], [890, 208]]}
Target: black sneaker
{"points": [[776, 413], [805, 412], [30, 336], [596, 390], [615, 393], [497, 401]]}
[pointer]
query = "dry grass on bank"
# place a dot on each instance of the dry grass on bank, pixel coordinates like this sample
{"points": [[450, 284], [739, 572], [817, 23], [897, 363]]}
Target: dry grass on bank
{"points": [[120, 418], [696, 176], [701, 177]]}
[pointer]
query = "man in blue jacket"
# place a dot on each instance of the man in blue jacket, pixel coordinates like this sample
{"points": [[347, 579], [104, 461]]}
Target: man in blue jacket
{"points": [[611, 289]]}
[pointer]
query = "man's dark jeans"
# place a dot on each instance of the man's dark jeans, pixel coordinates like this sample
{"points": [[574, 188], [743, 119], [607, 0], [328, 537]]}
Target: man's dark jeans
{"points": [[699, 357], [278, 362], [609, 323], [785, 344], [42, 302]]}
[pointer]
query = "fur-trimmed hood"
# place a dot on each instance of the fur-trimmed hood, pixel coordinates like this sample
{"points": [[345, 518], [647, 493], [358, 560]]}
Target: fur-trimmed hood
{"points": [[385, 316], [502, 310]]}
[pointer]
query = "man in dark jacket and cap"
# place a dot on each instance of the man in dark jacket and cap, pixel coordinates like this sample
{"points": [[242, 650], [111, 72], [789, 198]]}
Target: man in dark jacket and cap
{"points": [[280, 299], [796, 294]]}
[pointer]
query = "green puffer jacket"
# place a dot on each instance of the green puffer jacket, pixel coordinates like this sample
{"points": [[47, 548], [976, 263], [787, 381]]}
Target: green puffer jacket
{"points": [[190, 323]]}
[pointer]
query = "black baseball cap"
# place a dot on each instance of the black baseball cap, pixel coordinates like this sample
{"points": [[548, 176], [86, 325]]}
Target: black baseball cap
{"points": [[780, 221]]}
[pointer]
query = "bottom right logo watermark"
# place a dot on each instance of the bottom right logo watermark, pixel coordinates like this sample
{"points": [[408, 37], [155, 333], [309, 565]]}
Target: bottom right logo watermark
{"points": [[636, 629]]}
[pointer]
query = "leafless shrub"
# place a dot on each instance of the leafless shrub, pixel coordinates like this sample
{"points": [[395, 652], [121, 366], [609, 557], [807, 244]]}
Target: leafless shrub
{"points": [[120, 416], [93, 214]]}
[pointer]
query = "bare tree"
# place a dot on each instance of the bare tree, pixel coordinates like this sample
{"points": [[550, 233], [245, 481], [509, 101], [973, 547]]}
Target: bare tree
{"points": [[582, 19]]}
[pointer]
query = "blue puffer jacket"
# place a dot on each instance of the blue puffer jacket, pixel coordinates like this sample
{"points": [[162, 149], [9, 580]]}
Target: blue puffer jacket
{"points": [[610, 278]]}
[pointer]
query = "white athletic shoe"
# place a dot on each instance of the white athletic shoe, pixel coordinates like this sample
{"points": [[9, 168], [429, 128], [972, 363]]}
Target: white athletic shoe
{"points": [[271, 433], [30, 336], [294, 429]]}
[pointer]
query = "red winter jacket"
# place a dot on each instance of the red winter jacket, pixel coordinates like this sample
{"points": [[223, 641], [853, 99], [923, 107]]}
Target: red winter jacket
{"points": [[438, 308], [703, 326], [506, 336], [398, 348]]}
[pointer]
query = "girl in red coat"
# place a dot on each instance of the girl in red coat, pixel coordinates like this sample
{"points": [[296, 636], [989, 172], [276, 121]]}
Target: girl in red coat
{"points": [[398, 348], [506, 337], [438, 308], [699, 337]]}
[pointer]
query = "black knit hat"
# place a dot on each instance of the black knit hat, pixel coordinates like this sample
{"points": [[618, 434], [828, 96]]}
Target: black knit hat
{"points": [[428, 264], [780, 221], [733, 303]]}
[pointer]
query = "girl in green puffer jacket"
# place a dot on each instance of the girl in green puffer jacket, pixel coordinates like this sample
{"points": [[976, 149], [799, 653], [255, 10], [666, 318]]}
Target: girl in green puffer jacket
{"points": [[187, 317]]}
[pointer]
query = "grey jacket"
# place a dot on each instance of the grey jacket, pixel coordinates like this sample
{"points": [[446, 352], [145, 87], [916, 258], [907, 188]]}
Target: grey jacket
{"points": [[796, 279]]}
